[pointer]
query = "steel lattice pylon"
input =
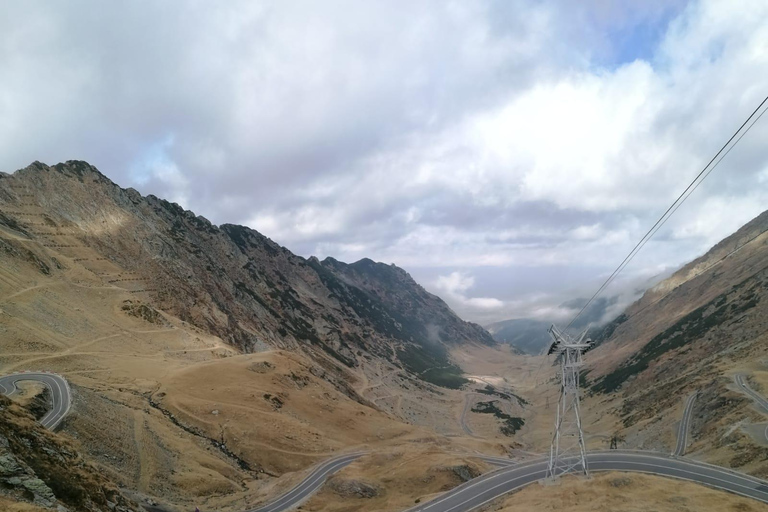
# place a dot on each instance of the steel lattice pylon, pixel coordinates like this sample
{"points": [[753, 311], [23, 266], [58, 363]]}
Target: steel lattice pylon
{"points": [[568, 452]]}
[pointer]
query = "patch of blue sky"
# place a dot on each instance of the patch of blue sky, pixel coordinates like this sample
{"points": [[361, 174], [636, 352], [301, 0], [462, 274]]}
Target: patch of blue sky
{"points": [[153, 157], [639, 40]]}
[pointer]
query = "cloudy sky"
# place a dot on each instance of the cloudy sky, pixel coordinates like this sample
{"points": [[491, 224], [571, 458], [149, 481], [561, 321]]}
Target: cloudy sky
{"points": [[506, 153]]}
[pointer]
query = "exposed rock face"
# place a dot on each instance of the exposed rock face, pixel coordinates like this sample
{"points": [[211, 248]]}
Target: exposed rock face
{"points": [[465, 472], [143, 311], [231, 280], [353, 488], [38, 467]]}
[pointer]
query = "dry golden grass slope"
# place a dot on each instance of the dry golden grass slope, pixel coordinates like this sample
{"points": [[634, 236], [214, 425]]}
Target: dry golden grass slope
{"points": [[171, 412], [43, 468], [9, 505]]}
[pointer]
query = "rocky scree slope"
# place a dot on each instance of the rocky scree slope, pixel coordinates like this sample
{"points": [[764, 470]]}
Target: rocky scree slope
{"points": [[39, 467], [692, 332], [234, 282]]}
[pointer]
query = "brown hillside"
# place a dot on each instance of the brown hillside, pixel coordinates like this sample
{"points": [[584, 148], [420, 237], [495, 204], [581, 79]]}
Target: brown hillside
{"points": [[694, 331]]}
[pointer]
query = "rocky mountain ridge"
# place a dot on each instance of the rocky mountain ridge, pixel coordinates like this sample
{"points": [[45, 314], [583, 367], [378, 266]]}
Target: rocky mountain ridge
{"points": [[231, 280]]}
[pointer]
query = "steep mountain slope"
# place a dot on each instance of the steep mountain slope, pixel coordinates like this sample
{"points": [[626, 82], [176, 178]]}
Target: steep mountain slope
{"points": [[733, 269], [693, 331], [232, 281], [397, 307]]}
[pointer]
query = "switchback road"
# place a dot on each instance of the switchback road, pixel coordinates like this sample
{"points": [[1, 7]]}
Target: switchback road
{"points": [[463, 420], [60, 394], [761, 401], [479, 491], [511, 477], [742, 383]]}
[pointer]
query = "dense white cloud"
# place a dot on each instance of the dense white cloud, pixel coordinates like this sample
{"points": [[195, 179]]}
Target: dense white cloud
{"points": [[456, 285], [518, 142]]}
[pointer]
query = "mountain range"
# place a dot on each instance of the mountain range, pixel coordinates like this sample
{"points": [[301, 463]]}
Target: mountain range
{"points": [[231, 280]]}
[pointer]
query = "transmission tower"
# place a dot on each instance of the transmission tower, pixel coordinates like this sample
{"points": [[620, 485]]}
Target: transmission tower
{"points": [[568, 453]]}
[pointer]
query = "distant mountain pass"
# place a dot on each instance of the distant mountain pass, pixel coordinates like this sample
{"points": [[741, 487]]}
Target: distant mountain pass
{"points": [[530, 336], [524, 334]]}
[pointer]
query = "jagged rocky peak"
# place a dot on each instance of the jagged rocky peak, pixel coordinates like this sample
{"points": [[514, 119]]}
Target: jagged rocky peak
{"points": [[75, 168]]}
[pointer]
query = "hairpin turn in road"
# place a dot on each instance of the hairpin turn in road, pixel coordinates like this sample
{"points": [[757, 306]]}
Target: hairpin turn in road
{"points": [[61, 395]]}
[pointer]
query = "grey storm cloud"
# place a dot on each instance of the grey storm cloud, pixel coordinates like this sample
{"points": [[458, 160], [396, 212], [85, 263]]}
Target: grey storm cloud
{"points": [[507, 153]]}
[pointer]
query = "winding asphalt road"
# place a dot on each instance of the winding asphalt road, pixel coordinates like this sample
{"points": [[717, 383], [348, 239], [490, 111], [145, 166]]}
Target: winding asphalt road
{"points": [[479, 491], [742, 383], [761, 401], [61, 395], [685, 426], [309, 485], [513, 476]]}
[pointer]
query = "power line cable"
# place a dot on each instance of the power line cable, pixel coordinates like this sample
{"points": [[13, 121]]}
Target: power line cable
{"points": [[673, 208], [656, 228], [676, 204], [700, 272]]}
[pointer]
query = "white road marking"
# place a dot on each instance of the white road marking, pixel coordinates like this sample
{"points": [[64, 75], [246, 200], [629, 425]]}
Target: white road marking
{"points": [[60, 410], [757, 397], [472, 483], [690, 472]]}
